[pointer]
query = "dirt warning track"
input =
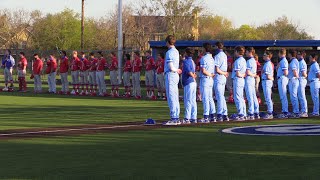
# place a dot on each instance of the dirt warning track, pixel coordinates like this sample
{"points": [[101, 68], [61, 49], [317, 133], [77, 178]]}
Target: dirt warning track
{"points": [[102, 128]]}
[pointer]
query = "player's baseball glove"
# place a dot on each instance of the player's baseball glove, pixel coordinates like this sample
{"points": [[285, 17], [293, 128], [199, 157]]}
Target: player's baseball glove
{"points": [[32, 76]]}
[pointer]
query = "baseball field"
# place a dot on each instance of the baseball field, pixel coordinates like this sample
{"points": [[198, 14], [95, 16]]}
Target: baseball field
{"points": [[60, 137]]}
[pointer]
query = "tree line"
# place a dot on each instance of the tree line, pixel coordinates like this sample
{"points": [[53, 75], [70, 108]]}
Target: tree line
{"points": [[143, 21]]}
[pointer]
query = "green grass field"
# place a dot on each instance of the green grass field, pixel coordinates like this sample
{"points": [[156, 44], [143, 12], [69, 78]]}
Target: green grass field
{"points": [[170, 153]]}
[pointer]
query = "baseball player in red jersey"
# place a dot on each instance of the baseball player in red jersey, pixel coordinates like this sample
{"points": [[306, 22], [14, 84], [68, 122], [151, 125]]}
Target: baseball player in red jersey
{"points": [[63, 70], [149, 76], [229, 78], [22, 71], [84, 74], [256, 57], [114, 75], [127, 75], [75, 67], [199, 98], [93, 74], [160, 77], [36, 73], [51, 71], [101, 66], [136, 69]]}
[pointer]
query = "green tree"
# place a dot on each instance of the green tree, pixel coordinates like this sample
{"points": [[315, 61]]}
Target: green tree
{"points": [[58, 30], [283, 29], [211, 26]]}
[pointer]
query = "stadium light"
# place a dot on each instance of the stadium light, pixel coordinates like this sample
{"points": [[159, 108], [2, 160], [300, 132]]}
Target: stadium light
{"points": [[120, 39]]}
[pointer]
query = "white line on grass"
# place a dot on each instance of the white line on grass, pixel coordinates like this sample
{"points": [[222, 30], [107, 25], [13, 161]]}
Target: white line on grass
{"points": [[65, 130]]}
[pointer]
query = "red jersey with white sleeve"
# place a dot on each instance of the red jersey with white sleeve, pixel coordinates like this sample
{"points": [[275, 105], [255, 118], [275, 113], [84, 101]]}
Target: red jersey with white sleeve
{"points": [[37, 67], [198, 63], [75, 64], [258, 68], [102, 64], [230, 63], [114, 64], [160, 66], [85, 64], [64, 64], [137, 64], [22, 64], [150, 64], [127, 66]]}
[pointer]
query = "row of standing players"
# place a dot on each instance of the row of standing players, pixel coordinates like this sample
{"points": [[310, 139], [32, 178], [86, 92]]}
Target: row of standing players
{"points": [[214, 73], [89, 74]]}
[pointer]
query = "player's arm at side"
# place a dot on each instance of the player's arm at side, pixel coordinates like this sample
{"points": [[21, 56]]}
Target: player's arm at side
{"points": [[304, 70], [237, 68], [317, 70], [294, 68], [188, 68], [269, 73], [171, 66], [284, 68], [249, 73], [218, 70]]}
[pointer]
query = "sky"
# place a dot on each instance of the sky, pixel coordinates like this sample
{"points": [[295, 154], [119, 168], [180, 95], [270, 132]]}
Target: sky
{"points": [[251, 12]]}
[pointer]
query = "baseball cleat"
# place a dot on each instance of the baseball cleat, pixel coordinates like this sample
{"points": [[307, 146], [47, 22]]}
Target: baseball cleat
{"points": [[194, 121], [256, 116], [226, 118], [186, 121], [268, 116], [205, 121], [282, 116], [304, 115], [170, 123], [314, 115], [5, 89], [73, 92]]}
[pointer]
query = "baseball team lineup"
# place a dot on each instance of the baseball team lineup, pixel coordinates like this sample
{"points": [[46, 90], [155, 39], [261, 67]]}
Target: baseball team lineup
{"points": [[203, 78]]}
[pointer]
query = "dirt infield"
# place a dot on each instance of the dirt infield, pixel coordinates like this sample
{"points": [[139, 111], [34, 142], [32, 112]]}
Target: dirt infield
{"points": [[92, 129], [74, 130]]}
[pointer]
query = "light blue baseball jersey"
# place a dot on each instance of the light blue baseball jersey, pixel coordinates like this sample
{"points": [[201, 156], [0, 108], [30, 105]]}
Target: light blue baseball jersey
{"points": [[283, 65], [207, 62], [239, 65], [294, 65], [267, 70], [302, 66], [172, 55], [252, 67], [314, 71], [221, 61]]}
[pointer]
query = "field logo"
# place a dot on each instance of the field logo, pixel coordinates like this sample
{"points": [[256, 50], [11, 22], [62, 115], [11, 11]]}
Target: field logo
{"points": [[277, 130]]}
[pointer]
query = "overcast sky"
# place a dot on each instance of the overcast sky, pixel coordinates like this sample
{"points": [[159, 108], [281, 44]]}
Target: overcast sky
{"points": [[252, 12]]}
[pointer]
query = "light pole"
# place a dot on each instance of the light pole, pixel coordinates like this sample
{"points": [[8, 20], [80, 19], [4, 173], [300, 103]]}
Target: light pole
{"points": [[120, 39], [82, 25]]}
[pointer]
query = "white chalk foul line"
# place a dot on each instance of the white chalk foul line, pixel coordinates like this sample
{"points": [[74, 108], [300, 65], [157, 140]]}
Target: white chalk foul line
{"points": [[65, 130]]}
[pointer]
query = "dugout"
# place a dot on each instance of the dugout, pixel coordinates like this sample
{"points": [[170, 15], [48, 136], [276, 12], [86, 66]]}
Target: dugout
{"points": [[309, 46], [260, 45]]}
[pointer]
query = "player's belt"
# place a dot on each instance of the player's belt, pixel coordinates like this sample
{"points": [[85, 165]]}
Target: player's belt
{"points": [[207, 77], [294, 78], [314, 80]]}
